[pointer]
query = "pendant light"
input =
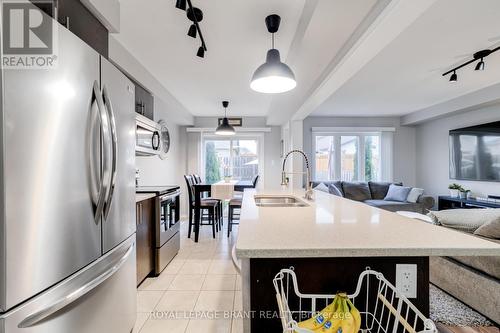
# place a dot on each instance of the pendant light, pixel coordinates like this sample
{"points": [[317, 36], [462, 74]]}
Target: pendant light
{"points": [[273, 76], [224, 128]]}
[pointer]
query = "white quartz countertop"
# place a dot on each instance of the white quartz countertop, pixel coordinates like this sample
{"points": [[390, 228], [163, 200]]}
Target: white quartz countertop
{"points": [[336, 227], [143, 196]]}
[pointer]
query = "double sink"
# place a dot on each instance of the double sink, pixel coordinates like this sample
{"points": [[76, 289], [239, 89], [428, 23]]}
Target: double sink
{"points": [[278, 201]]}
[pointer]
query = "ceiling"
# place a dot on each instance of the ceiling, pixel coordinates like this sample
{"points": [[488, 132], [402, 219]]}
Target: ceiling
{"points": [[406, 75], [310, 35]]}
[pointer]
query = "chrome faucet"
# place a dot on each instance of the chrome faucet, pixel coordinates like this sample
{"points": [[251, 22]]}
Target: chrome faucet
{"points": [[285, 180]]}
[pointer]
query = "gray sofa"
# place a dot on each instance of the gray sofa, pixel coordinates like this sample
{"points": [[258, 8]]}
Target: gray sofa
{"points": [[373, 194], [473, 280]]}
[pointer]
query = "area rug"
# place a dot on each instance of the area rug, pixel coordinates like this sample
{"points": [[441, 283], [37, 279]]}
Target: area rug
{"points": [[449, 311]]}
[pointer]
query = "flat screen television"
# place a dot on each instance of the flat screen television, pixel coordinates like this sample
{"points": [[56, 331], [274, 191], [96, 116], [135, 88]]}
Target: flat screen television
{"points": [[475, 152]]}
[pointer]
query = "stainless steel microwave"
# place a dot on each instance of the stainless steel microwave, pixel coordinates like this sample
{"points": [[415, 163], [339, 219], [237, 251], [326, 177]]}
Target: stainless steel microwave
{"points": [[147, 134]]}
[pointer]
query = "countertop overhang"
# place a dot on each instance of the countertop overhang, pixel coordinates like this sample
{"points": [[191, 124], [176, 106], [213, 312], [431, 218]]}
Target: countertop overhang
{"points": [[332, 226]]}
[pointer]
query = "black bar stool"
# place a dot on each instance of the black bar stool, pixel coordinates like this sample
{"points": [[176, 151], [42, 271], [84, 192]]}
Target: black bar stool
{"points": [[234, 204], [206, 204]]}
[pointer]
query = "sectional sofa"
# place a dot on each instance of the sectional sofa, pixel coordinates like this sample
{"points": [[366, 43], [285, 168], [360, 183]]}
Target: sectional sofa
{"points": [[373, 194]]}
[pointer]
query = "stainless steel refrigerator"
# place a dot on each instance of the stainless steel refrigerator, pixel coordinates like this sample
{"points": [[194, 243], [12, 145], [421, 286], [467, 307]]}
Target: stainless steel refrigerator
{"points": [[67, 196]]}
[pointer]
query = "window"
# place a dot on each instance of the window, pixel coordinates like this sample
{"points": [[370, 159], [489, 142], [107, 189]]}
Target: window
{"points": [[237, 158], [347, 156]]}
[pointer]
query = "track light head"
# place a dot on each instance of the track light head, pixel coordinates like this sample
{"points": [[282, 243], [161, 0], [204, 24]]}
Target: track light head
{"points": [[201, 52], [180, 4], [192, 31], [454, 77], [480, 65]]}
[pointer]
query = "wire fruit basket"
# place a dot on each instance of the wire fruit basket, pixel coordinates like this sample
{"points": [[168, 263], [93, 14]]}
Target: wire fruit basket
{"points": [[383, 309]]}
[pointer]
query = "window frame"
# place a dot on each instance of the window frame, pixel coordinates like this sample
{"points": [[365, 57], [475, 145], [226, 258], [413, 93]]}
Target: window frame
{"points": [[338, 158], [259, 137]]}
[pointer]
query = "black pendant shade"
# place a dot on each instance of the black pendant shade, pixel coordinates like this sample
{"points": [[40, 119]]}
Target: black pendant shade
{"points": [[225, 128], [180, 4], [192, 31]]}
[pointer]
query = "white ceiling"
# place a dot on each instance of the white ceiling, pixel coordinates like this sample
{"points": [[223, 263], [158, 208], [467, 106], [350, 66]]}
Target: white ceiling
{"points": [[406, 76], [311, 34]]}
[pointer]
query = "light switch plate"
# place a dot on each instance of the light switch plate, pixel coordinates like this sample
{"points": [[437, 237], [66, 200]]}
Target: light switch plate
{"points": [[406, 279]]}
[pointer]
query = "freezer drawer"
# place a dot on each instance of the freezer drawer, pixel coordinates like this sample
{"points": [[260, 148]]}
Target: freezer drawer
{"points": [[100, 298]]}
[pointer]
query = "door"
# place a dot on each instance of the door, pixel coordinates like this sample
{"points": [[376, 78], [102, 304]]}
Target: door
{"points": [[119, 211], [100, 298], [51, 225]]}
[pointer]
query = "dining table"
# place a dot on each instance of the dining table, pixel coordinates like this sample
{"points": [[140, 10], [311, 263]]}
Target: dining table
{"points": [[204, 187]]}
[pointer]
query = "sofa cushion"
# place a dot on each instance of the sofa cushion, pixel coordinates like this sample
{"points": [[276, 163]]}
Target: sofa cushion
{"points": [[337, 184], [335, 190], [322, 187], [490, 229], [397, 193], [487, 265], [379, 190], [356, 191], [415, 194], [395, 206], [468, 220]]}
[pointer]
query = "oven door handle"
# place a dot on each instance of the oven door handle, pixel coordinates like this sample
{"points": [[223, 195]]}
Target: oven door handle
{"points": [[170, 196]]}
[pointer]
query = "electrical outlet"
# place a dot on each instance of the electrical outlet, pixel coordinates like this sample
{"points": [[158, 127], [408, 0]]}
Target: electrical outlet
{"points": [[406, 279]]}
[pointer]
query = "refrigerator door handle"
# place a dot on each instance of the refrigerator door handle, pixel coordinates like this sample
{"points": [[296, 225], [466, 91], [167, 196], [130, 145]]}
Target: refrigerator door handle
{"points": [[74, 295], [114, 150], [99, 195]]}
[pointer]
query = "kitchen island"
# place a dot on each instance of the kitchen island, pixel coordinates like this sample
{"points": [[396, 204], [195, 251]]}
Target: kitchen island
{"points": [[329, 242]]}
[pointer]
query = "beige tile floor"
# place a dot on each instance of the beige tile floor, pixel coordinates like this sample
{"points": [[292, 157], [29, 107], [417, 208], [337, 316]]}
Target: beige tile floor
{"points": [[200, 279]]}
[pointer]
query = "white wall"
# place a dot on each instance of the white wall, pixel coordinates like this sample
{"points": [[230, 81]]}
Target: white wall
{"points": [[152, 170], [272, 160], [404, 141], [433, 155]]}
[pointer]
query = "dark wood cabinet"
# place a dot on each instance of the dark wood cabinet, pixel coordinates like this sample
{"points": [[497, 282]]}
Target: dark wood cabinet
{"points": [[144, 102], [78, 19], [145, 216]]}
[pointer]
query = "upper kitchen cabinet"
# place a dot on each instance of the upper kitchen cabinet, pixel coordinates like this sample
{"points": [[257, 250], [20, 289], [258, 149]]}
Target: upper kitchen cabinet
{"points": [[144, 102], [78, 19]]}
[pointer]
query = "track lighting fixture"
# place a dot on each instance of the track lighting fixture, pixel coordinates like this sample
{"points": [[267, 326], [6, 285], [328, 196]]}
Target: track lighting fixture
{"points": [[195, 15], [201, 52], [480, 65], [225, 128], [454, 77], [273, 76], [192, 31], [480, 55], [180, 4]]}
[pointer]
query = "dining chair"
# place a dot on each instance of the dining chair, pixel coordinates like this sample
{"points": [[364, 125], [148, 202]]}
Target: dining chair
{"points": [[220, 220], [255, 180], [209, 205]]}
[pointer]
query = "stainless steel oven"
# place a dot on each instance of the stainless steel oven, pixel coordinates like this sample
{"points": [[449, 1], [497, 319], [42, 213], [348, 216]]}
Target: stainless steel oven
{"points": [[167, 229], [147, 134], [167, 236]]}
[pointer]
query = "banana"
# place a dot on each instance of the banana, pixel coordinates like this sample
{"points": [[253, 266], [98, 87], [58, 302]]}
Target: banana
{"points": [[317, 321], [333, 324], [356, 315], [348, 325]]}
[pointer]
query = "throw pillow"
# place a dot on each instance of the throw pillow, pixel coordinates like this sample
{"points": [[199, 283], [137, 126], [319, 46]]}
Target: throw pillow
{"points": [[397, 193], [322, 187], [414, 194], [468, 220], [379, 189], [490, 229], [356, 191], [334, 190]]}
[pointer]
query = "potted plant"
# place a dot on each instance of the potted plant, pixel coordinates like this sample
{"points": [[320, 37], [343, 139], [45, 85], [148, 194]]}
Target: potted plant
{"points": [[455, 190], [464, 194]]}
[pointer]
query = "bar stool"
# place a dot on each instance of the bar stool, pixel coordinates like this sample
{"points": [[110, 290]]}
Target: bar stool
{"points": [[209, 205], [234, 204], [220, 220]]}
